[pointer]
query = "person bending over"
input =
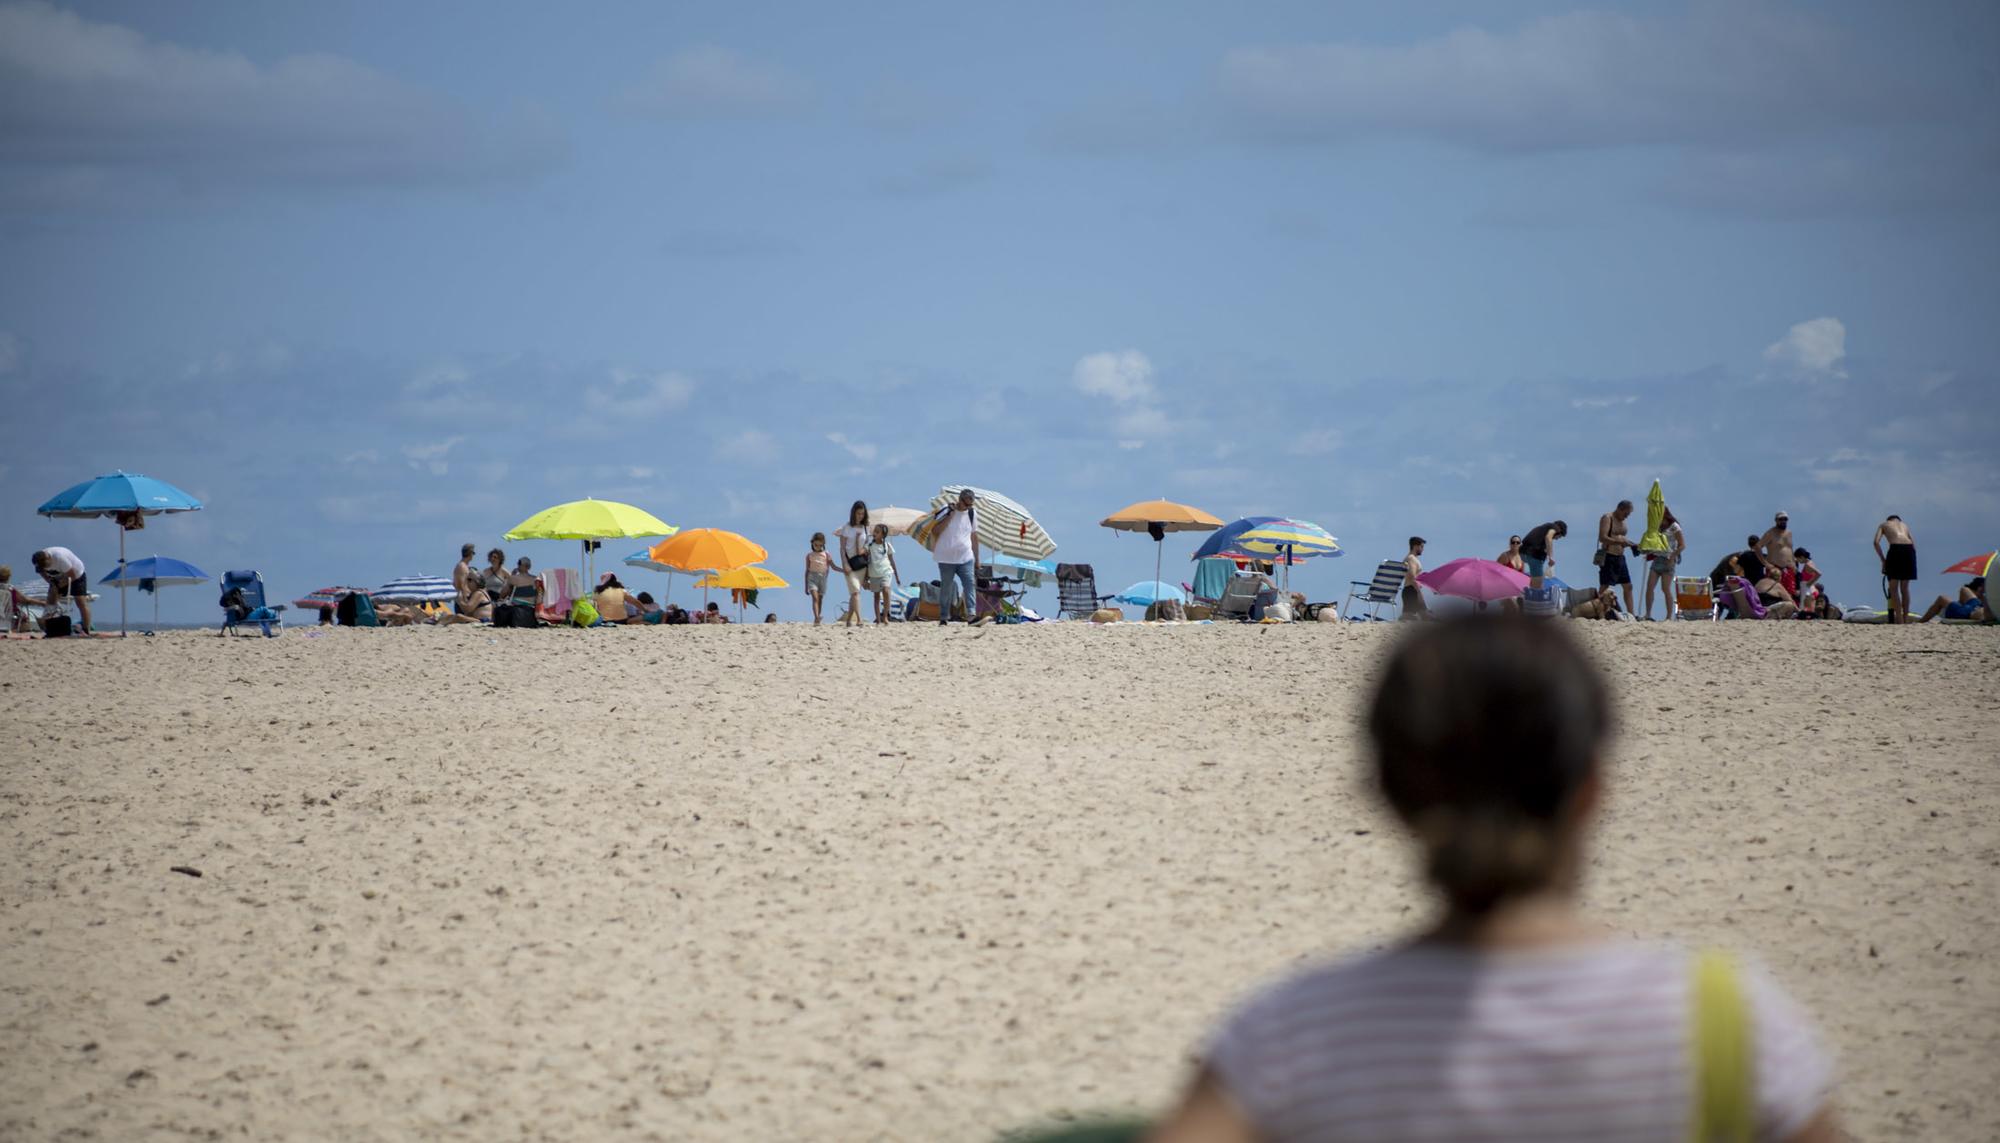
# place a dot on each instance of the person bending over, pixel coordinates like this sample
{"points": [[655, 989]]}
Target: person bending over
{"points": [[1511, 1014]]}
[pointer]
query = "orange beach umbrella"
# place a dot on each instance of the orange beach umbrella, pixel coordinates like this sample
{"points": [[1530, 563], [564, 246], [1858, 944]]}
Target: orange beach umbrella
{"points": [[1157, 518], [706, 549]]}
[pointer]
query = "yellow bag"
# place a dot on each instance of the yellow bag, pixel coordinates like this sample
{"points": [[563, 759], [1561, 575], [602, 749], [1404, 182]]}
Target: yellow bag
{"points": [[1720, 1046]]}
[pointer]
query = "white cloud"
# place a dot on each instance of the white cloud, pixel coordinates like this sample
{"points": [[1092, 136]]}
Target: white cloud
{"points": [[713, 82], [79, 97], [1315, 442], [1811, 349], [1726, 74], [630, 395], [1123, 376], [1141, 421], [638, 472], [751, 446], [859, 450], [431, 457]]}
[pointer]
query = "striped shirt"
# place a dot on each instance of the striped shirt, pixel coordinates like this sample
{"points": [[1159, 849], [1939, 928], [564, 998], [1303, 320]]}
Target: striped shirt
{"points": [[1438, 1043]]}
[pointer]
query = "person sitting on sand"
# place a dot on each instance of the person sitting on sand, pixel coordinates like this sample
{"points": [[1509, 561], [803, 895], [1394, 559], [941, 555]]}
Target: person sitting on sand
{"points": [[647, 609], [493, 577], [712, 614], [612, 601], [674, 615], [1511, 1014], [524, 592], [473, 605], [1899, 564], [771, 617], [16, 603], [1970, 604]]}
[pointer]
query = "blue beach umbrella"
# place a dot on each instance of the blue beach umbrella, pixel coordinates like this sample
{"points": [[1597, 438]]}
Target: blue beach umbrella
{"points": [[128, 498], [1147, 592], [643, 558], [153, 573], [416, 589]]}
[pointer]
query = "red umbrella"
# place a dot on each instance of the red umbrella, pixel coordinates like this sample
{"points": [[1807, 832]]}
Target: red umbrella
{"points": [[326, 598], [1973, 565], [1479, 580]]}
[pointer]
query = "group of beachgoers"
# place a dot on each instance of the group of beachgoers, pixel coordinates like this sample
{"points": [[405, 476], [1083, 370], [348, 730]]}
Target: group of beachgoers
{"points": [[866, 562], [1772, 577], [493, 594]]}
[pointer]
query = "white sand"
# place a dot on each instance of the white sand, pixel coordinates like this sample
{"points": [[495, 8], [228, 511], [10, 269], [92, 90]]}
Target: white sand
{"points": [[729, 883]]}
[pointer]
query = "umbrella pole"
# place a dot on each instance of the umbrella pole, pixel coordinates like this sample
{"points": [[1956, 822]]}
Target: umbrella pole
{"points": [[1159, 547], [121, 580]]}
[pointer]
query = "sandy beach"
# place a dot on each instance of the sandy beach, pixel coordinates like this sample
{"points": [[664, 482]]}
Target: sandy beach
{"points": [[786, 883]]}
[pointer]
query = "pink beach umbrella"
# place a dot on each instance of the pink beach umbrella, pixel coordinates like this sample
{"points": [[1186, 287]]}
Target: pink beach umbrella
{"points": [[1479, 580]]}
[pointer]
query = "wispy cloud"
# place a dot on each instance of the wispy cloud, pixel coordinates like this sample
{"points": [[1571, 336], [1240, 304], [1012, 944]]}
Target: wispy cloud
{"points": [[711, 82], [1811, 350]]}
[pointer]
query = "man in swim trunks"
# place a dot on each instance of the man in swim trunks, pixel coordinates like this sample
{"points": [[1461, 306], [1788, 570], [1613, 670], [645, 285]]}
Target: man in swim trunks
{"points": [[66, 578], [1538, 550], [1899, 564], [1775, 546], [1612, 543]]}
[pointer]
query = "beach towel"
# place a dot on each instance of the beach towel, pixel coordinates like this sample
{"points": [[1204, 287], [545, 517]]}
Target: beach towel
{"points": [[1211, 576]]}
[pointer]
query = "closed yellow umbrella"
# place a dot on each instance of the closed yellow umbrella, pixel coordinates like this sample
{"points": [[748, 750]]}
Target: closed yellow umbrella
{"points": [[1157, 518], [707, 549]]}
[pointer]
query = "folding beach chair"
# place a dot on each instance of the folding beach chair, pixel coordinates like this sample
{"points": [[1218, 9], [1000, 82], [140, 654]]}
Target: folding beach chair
{"points": [[253, 611], [1384, 590], [1694, 598], [1239, 595], [1076, 591], [1545, 602]]}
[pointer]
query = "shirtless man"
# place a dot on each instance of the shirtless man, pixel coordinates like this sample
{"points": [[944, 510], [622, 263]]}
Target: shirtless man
{"points": [[1899, 564], [1612, 543], [1775, 546]]}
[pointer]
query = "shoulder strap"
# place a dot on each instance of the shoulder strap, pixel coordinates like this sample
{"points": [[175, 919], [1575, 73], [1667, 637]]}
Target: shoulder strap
{"points": [[1720, 1046]]}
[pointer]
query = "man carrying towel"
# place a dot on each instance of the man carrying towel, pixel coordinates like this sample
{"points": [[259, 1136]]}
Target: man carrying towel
{"points": [[957, 552], [65, 575]]}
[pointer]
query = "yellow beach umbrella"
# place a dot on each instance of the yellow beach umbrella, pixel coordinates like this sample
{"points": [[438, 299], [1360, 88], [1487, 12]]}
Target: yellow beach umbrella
{"points": [[707, 549], [742, 579], [1655, 540], [1157, 518], [589, 520]]}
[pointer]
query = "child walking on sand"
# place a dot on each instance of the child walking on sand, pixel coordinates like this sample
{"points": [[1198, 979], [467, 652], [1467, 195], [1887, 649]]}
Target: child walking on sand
{"points": [[818, 562], [1512, 1015], [881, 570]]}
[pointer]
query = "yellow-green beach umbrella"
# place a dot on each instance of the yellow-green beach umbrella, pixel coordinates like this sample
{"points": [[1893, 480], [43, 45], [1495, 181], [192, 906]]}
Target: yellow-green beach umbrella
{"points": [[1656, 515], [588, 520]]}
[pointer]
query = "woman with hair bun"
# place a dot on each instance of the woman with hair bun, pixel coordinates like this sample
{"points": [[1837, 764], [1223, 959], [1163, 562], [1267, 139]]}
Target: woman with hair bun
{"points": [[1511, 1015]]}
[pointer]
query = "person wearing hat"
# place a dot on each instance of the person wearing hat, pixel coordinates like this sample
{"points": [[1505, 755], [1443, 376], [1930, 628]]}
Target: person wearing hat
{"points": [[1775, 546]]}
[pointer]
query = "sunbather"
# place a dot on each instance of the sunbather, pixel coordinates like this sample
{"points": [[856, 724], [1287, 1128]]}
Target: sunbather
{"points": [[612, 601], [1970, 604]]}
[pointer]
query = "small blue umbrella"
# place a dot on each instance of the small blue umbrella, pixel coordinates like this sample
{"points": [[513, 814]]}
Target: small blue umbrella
{"points": [[1147, 592], [125, 496], [153, 573]]}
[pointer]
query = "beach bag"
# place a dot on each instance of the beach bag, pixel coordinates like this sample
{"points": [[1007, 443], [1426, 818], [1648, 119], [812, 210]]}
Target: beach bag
{"points": [[583, 613], [56, 627]]}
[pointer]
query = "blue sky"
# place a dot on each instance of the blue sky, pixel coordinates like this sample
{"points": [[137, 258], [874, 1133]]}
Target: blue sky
{"points": [[375, 280]]}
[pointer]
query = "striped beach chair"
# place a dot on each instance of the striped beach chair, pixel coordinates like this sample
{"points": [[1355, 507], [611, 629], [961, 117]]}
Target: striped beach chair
{"points": [[1383, 590], [1076, 591]]}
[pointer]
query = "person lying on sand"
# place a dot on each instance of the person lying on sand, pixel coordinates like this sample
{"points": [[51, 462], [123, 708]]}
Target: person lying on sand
{"points": [[1511, 1014], [1969, 604]]}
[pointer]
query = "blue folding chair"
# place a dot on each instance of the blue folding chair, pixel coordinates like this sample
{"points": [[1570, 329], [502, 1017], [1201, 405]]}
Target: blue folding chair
{"points": [[253, 611]]}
